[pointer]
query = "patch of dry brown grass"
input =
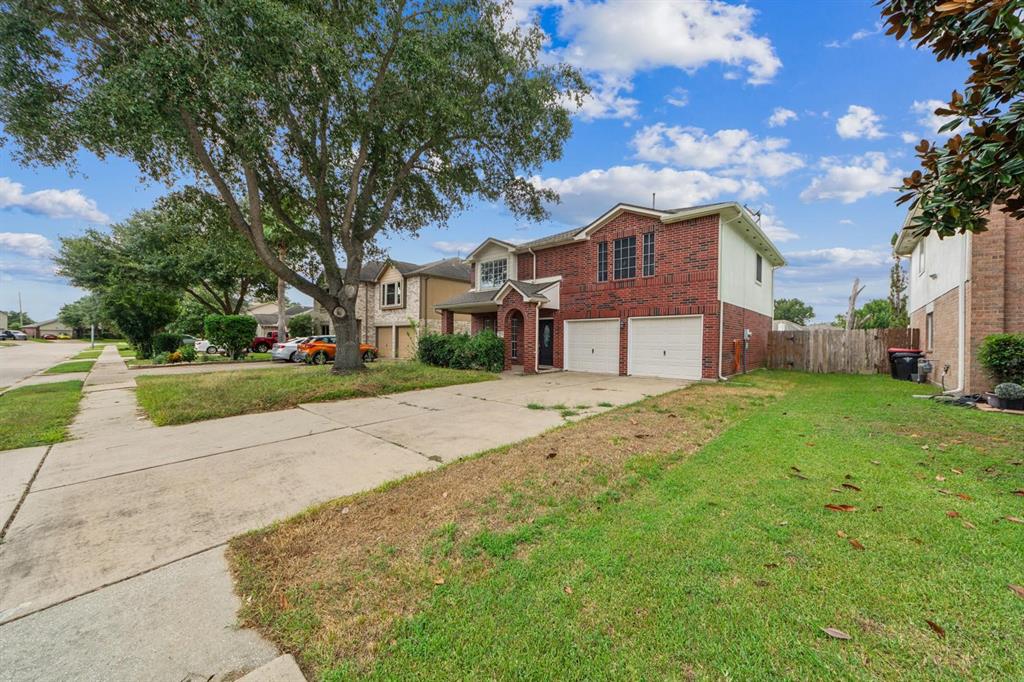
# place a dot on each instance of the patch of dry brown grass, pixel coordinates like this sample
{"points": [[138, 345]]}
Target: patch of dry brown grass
{"points": [[330, 583]]}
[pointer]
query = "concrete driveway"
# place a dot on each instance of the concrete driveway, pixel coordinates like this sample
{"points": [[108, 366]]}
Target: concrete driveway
{"points": [[28, 357], [113, 566]]}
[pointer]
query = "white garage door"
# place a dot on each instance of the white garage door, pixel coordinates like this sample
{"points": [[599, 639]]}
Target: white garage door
{"points": [[592, 346], [666, 346]]}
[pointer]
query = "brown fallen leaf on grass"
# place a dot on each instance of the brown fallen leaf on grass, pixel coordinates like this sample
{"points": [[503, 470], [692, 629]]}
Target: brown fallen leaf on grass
{"points": [[944, 491], [1018, 492], [837, 490], [439, 581], [940, 477], [796, 469], [957, 471], [284, 602], [836, 633], [841, 533], [924, 447], [841, 507], [855, 543], [877, 507], [810, 445], [850, 486], [771, 565], [875, 462], [936, 628], [952, 514], [1017, 590], [800, 476], [567, 589], [551, 455], [762, 583], [969, 526], [1014, 519], [964, 496]]}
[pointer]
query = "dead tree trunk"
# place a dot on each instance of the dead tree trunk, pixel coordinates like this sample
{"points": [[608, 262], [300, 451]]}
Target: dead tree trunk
{"points": [[851, 309]]}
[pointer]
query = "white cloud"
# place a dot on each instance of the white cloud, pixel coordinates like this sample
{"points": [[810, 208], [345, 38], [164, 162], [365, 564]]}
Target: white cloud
{"points": [[27, 244], [865, 175], [845, 221], [910, 138], [737, 152], [585, 196], [55, 203], [679, 97], [930, 122], [857, 35], [454, 248], [839, 257], [860, 122], [613, 41], [780, 117], [772, 226]]}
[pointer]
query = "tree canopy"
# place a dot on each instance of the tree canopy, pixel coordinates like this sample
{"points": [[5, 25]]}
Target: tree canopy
{"points": [[342, 121], [982, 164], [87, 311], [184, 243], [794, 310], [877, 313]]}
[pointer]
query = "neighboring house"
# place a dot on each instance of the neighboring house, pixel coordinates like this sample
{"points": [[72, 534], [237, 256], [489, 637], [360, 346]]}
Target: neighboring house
{"points": [[962, 289], [395, 303], [638, 291], [266, 315], [787, 326], [41, 329], [3, 320]]}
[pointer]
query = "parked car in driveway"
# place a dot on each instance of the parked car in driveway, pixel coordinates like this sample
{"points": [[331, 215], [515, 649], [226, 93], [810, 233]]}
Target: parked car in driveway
{"points": [[204, 346], [50, 337], [13, 335], [286, 351], [261, 344], [321, 349]]}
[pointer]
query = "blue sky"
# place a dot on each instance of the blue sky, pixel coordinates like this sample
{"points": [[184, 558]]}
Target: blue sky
{"points": [[803, 110]]}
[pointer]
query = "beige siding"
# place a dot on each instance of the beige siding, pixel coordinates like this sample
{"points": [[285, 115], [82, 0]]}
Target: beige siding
{"points": [[435, 290]]}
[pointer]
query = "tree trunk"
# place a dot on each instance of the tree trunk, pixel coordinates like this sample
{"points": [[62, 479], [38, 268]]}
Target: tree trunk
{"points": [[851, 309], [282, 319], [346, 355]]}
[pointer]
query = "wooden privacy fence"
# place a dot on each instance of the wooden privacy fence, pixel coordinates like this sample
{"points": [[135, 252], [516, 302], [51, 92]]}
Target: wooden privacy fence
{"points": [[860, 351]]}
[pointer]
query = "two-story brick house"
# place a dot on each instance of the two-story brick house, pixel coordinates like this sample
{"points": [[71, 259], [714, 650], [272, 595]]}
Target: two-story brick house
{"points": [[395, 303], [962, 289], [684, 293]]}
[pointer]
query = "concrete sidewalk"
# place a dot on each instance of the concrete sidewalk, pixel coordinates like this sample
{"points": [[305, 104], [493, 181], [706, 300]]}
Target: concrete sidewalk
{"points": [[132, 505]]}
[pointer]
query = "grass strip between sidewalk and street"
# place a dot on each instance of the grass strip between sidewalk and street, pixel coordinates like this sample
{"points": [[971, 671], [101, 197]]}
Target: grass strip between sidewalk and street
{"points": [[88, 354], [71, 367], [38, 415], [679, 537], [186, 398], [203, 358]]}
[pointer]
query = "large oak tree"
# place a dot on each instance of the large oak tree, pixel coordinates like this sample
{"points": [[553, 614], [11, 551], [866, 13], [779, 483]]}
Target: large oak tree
{"points": [[368, 117]]}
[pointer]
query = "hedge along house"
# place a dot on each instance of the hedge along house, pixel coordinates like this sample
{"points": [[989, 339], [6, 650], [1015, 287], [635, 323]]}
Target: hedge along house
{"points": [[395, 303], [684, 293]]}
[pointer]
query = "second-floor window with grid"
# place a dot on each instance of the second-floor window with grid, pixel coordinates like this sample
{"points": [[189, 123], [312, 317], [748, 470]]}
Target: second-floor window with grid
{"points": [[391, 294], [625, 258], [648, 268], [493, 273], [602, 261]]}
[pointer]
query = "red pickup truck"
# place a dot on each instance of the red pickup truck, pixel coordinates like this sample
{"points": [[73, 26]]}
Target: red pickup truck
{"points": [[261, 344]]}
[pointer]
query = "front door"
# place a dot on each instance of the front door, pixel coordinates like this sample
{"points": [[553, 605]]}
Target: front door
{"points": [[546, 342]]}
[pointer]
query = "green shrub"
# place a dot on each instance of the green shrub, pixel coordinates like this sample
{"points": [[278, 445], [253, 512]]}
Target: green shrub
{"points": [[188, 353], [1009, 391], [233, 333], [484, 351], [161, 358], [166, 342], [1002, 355], [300, 325]]}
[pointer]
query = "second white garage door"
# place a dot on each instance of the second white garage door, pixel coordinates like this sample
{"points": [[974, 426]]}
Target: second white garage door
{"points": [[666, 346], [592, 346]]}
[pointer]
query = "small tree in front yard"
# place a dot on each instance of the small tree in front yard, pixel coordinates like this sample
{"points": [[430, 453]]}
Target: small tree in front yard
{"points": [[140, 312], [234, 333]]}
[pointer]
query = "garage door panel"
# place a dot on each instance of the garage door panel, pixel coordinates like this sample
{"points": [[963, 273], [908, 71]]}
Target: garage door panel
{"points": [[592, 346], [666, 347], [406, 342]]}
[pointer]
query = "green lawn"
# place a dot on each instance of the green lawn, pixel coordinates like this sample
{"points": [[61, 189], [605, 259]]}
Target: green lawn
{"points": [[720, 563], [71, 366], [37, 415], [90, 354], [185, 398]]}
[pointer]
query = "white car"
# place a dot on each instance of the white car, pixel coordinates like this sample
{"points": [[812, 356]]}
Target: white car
{"points": [[204, 346], [286, 351]]}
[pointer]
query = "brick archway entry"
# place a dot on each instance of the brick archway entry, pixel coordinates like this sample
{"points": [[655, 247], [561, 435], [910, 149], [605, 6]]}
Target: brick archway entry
{"points": [[513, 307]]}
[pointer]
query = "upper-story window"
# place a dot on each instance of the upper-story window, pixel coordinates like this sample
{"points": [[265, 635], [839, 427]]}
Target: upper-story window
{"points": [[391, 294], [602, 261], [493, 273], [648, 266], [624, 262], [758, 268], [920, 259]]}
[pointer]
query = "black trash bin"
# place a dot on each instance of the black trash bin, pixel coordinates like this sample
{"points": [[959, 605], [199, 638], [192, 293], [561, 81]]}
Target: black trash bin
{"points": [[903, 362]]}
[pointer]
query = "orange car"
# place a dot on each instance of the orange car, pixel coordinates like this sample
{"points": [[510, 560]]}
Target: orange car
{"points": [[320, 350]]}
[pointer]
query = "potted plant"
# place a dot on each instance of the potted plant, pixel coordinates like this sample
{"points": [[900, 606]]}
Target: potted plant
{"points": [[1007, 396]]}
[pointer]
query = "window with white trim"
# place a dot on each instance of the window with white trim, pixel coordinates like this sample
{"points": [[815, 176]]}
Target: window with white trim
{"points": [[515, 328], [493, 273], [758, 268], [391, 295], [624, 261], [920, 259], [929, 331], [648, 264], [602, 261]]}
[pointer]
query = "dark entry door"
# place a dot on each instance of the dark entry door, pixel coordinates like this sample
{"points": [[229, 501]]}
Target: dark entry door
{"points": [[546, 342]]}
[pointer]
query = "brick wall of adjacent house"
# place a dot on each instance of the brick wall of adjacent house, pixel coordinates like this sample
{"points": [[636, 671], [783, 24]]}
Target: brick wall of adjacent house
{"points": [[945, 341], [996, 293], [685, 280], [736, 321]]}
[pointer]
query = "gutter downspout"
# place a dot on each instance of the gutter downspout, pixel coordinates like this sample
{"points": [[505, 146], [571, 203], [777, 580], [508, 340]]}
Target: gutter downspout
{"points": [[721, 333], [532, 253]]}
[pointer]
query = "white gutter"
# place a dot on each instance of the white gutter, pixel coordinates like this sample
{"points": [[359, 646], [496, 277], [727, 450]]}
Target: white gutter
{"points": [[530, 249], [721, 332]]}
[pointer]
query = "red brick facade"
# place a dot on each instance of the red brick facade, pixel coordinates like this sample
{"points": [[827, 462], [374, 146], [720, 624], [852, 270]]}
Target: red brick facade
{"points": [[736, 321], [685, 282]]}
